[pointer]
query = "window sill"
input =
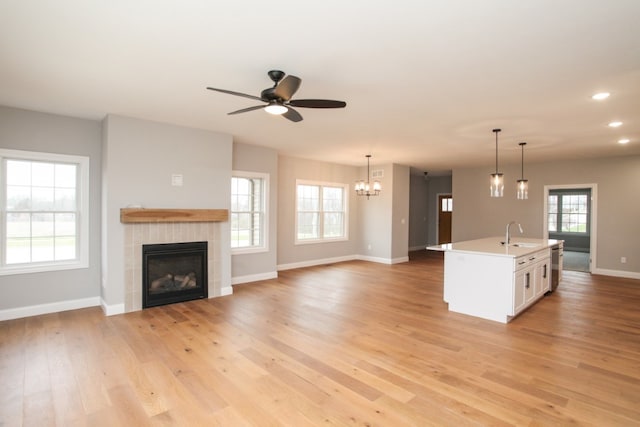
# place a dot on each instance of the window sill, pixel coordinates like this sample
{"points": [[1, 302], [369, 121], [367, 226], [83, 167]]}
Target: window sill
{"points": [[42, 268], [321, 241], [246, 251]]}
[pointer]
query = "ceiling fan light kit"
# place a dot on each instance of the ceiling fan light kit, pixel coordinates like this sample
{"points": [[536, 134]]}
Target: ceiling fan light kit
{"points": [[278, 97], [276, 109]]}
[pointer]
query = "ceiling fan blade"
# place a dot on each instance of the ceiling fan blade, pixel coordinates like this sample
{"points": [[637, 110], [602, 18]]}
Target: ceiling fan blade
{"points": [[292, 115], [287, 87], [244, 110], [230, 92], [317, 103]]}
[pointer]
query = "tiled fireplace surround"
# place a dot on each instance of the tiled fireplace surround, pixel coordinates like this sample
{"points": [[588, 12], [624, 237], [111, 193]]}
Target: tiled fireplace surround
{"points": [[138, 234]]}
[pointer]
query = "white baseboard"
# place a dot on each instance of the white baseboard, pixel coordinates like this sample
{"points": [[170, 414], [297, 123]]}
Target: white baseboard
{"points": [[111, 310], [226, 290], [383, 260], [254, 277], [314, 262], [616, 273], [54, 307], [326, 261]]}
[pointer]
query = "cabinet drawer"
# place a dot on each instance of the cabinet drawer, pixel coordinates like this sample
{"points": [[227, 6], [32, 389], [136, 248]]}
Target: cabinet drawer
{"points": [[526, 260]]}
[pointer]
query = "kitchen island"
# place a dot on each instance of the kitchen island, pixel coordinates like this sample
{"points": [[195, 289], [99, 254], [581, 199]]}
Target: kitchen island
{"points": [[488, 279]]}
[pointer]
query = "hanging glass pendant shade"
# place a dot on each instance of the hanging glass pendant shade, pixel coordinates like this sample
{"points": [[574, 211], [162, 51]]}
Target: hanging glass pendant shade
{"points": [[523, 184], [497, 179]]}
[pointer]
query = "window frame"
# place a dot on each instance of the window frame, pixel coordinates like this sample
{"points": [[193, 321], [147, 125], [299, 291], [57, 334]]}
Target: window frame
{"points": [[345, 199], [264, 232], [559, 214], [82, 209]]}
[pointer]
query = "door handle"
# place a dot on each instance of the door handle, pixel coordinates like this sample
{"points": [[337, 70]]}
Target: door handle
{"points": [[544, 274], [527, 282]]}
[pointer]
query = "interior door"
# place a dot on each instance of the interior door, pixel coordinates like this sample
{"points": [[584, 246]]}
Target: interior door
{"points": [[445, 207]]}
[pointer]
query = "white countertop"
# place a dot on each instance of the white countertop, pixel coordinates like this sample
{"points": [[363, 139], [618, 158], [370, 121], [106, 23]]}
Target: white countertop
{"points": [[493, 246]]}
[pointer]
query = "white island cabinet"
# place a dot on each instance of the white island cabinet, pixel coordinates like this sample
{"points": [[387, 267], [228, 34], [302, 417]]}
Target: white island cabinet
{"points": [[488, 279]]}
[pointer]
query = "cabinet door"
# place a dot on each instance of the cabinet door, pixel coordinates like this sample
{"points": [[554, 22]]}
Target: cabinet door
{"points": [[542, 278], [524, 288], [520, 281]]}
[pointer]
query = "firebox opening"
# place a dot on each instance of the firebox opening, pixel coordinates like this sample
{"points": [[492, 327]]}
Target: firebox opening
{"points": [[173, 272]]}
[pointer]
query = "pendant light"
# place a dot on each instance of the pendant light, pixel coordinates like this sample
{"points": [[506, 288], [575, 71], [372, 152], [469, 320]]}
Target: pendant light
{"points": [[497, 179], [363, 188], [523, 184]]}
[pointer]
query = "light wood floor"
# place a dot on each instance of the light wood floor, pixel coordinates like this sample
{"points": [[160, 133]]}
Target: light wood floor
{"points": [[354, 344]]}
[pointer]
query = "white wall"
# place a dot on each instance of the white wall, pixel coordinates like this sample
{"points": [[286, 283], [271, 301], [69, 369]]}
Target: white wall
{"points": [[263, 265], [477, 215], [33, 131], [139, 159]]}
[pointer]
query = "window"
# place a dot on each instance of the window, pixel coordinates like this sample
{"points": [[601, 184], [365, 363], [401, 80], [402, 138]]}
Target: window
{"points": [[321, 212], [568, 211], [45, 209], [249, 212], [446, 204]]}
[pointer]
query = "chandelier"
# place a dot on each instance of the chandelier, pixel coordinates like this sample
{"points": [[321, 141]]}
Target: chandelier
{"points": [[364, 188]]}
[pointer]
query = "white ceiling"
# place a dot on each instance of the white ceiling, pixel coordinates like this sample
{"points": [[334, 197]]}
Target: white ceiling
{"points": [[425, 81]]}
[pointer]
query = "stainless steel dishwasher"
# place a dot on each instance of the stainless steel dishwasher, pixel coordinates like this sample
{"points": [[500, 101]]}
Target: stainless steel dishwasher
{"points": [[556, 264]]}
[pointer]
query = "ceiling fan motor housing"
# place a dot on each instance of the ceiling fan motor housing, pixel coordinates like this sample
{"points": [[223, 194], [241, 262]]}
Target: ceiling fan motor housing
{"points": [[268, 95]]}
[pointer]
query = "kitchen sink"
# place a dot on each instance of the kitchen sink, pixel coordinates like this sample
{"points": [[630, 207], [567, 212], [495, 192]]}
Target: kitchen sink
{"points": [[525, 245]]}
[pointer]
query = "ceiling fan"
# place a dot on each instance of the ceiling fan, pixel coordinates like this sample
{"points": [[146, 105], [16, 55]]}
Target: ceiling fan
{"points": [[278, 97]]}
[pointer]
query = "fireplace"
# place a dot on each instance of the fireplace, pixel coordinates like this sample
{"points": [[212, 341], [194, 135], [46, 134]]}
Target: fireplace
{"points": [[173, 272]]}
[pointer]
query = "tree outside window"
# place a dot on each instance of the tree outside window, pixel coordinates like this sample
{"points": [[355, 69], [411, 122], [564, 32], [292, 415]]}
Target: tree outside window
{"points": [[248, 211], [321, 209]]}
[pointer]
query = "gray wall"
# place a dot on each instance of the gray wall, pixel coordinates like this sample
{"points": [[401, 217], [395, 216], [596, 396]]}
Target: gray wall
{"points": [[477, 215], [375, 217], [251, 158], [400, 213], [139, 159], [28, 130], [290, 169], [418, 213], [423, 221]]}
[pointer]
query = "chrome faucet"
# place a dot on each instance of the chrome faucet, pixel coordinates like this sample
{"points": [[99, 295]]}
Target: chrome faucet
{"points": [[508, 236]]}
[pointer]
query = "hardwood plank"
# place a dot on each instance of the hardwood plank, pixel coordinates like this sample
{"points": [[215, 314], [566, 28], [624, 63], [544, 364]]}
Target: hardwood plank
{"points": [[352, 343]]}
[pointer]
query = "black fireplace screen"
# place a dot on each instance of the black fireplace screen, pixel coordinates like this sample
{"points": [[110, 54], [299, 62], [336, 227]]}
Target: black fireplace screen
{"points": [[173, 272]]}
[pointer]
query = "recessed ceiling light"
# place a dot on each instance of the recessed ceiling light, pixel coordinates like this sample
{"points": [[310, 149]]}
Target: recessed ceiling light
{"points": [[623, 141], [600, 96], [615, 124]]}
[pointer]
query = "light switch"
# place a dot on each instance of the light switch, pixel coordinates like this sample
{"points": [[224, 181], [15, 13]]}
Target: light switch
{"points": [[176, 180]]}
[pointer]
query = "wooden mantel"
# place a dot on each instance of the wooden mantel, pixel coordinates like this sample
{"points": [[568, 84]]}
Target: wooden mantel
{"points": [[139, 215]]}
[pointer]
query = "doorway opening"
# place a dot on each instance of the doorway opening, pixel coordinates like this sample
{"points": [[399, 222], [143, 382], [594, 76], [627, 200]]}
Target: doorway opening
{"points": [[570, 216], [445, 208]]}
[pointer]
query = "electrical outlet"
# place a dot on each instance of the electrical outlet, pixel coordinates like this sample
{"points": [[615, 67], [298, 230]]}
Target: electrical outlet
{"points": [[369, 247], [623, 260]]}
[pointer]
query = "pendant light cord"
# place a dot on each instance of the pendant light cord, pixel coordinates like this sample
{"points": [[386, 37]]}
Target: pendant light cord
{"points": [[522, 144], [496, 132]]}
